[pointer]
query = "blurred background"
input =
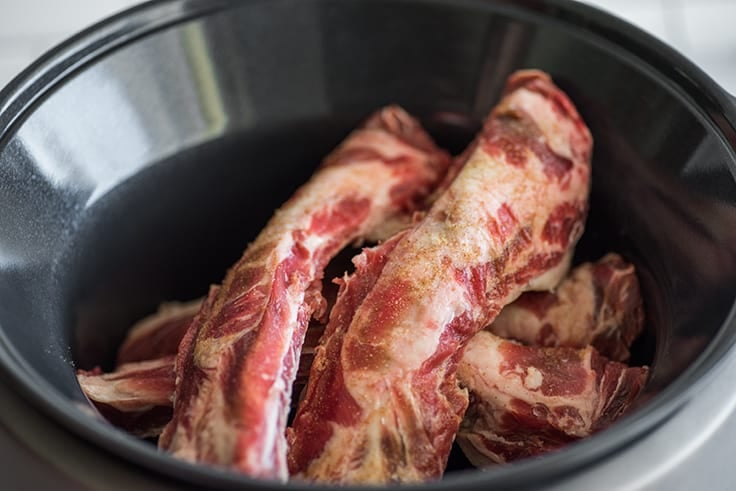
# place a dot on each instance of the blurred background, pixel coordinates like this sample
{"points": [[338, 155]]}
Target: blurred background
{"points": [[701, 29]]}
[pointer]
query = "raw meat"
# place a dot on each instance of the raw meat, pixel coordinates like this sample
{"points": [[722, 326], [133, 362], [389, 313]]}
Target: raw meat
{"points": [[135, 397], [382, 403], [138, 396], [597, 303], [158, 334], [602, 297], [528, 400], [238, 359]]}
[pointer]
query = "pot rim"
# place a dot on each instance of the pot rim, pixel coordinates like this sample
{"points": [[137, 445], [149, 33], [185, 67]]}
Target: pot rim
{"points": [[716, 107]]}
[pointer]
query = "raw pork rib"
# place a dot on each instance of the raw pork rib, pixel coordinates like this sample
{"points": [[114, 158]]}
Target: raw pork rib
{"points": [[135, 397], [525, 400], [158, 334], [237, 362], [603, 297], [382, 403], [138, 396], [597, 303]]}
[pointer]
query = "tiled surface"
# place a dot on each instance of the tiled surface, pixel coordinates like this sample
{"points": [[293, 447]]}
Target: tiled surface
{"points": [[701, 29]]}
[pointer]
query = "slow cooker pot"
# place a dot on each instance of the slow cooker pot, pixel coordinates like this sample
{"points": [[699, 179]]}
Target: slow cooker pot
{"points": [[140, 157]]}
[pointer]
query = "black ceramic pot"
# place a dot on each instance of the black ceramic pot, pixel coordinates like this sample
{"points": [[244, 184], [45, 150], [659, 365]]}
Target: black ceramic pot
{"points": [[139, 158]]}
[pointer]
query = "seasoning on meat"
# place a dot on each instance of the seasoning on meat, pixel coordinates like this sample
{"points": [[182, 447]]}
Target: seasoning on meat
{"points": [[238, 359], [382, 403], [597, 303], [528, 400]]}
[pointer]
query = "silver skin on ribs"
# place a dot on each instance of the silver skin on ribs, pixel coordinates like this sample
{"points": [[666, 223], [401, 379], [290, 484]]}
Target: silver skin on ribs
{"points": [[236, 364], [526, 400], [597, 304], [383, 403]]}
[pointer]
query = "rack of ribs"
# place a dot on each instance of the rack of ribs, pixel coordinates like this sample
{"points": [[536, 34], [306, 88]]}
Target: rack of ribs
{"points": [[382, 403], [237, 361], [527, 400]]}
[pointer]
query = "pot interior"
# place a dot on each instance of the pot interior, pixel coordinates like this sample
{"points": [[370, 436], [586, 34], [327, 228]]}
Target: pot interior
{"points": [[141, 176]]}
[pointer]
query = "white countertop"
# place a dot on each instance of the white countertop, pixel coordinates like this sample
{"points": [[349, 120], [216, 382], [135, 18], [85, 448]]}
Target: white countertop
{"points": [[701, 29]]}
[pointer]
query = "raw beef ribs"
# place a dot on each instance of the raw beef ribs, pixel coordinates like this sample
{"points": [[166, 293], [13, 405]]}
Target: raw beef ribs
{"points": [[383, 403], [135, 397], [597, 303], [133, 389], [158, 334], [236, 363], [404, 352], [528, 400]]}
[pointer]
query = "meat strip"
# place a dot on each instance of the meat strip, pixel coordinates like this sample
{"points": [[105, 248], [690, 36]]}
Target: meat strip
{"points": [[527, 400], [158, 334], [382, 402], [238, 359], [135, 397], [138, 396], [597, 303], [602, 297]]}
